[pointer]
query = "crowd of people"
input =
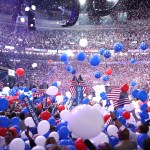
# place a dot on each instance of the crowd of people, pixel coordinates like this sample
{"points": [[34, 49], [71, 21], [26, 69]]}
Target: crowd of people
{"points": [[62, 123]]}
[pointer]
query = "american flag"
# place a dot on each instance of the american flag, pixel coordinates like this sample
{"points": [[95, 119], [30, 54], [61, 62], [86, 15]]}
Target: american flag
{"points": [[117, 97], [1, 84], [72, 88], [39, 93]]}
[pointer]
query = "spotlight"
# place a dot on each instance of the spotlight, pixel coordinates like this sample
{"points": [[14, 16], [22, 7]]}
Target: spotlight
{"points": [[22, 19], [33, 7], [27, 8]]}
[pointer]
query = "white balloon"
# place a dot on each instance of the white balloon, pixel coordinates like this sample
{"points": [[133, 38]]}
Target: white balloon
{"points": [[6, 90], [100, 138], [34, 65], [40, 141], [90, 97], [64, 115], [58, 83], [83, 42], [52, 90], [99, 108], [38, 148], [43, 127], [85, 121], [23, 135], [112, 130], [17, 143], [59, 99], [74, 136], [27, 142], [129, 107], [55, 135], [96, 99], [68, 94], [29, 122]]}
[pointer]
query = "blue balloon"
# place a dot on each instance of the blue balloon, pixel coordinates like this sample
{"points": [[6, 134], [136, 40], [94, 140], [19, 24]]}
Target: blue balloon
{"points": [[61, 124], [4, 121], [3, 104], [105, 78], [71, 147], [135, 93], [144, 106], [52, 121], [63, 142], [73, 71], [133, 83], [26, 89], [54, 84], [64, 57], [103, 95], [21, 97], [118, 47], [143, 46], [37, 101], [144, 115], [17, 128], [95, 60], [68, 68], [63, 132], [142, 95], [141, 139], [113, 141], [85, 101], [133, 61], [46, 135], [27, 147], [122, 120], [25, 110], [34, 90], [101, 51], [116, 113], [107, 54], [15, 121], [97, 74], [81, 56]]}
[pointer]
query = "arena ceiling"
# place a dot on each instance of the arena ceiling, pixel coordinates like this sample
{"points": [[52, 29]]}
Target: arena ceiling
{"points": [[8, 6]]}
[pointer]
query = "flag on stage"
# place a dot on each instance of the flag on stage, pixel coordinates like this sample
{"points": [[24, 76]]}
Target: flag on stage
{"points": [[72, 88]]}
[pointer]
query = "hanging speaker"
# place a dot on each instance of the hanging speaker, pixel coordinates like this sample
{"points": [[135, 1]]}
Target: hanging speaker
{"points": [[74, 15]]}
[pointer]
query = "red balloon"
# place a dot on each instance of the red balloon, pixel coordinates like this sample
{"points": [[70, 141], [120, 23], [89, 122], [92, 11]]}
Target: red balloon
{"points": [[125, 88], [79, 144], [49, 101], [20, 72], [106, 117], [23, 105], [126, 115], [39, 106], [45, 115], [58, 94], [109, 71], [2, 131], [61, 107], [148, 109], [57, 121], [11, 101], [14, 131]]}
